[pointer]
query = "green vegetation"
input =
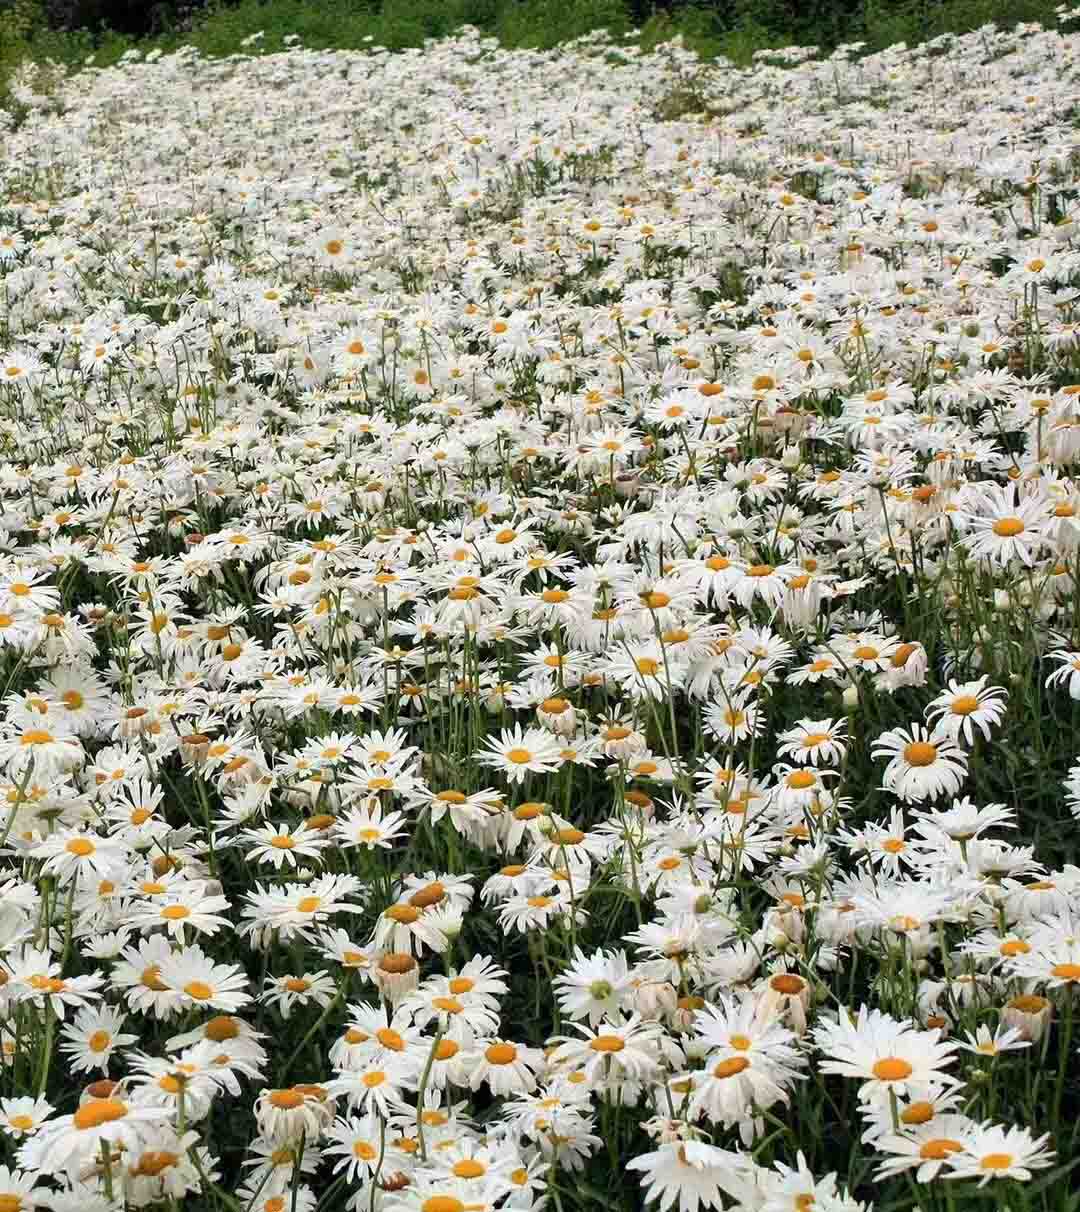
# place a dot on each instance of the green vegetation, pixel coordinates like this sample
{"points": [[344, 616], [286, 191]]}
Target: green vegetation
{"points": [[736, 29]]}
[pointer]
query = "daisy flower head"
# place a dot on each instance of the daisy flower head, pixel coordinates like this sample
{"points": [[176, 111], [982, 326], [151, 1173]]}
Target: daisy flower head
{"points": [[994, 1152], [814, 742], [504, 1066], [45, 750], [1067, 673], [1004, 526], [693, 1174], [369, 826], [594, 987], [79, 856], [964, 820], [285, 992], [923, 764], [885, 1054], [278, 845], [518, 752], [629, 1049], [925, 1148], [70, 1142], [90, 1040], [284, 1115], [964, 707], [20, 1117]]}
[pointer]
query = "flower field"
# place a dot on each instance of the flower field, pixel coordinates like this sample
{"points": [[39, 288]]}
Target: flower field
{"points": [[539, 630]]}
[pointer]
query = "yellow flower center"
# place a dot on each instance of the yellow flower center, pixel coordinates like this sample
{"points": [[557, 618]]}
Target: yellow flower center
{"points": [[996, 1161], [939, 1149], [286, 1100], [607, 1043], [1008, 528], [892, 1069], [500, 1054], [917, 1113], [920, 753], [730, 1067], [468, 1167], [95, 1114]]}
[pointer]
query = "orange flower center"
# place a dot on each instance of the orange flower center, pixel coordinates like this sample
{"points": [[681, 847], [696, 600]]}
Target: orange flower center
{"points": [[607, 1043], [939, 1149], [731, 1066], [95, 1114], [1008, 528], [920, 753], [892, 1069], [500, 1054]]}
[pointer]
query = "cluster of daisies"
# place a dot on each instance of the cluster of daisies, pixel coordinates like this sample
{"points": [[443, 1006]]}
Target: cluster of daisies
{"points": [[539, 630]]}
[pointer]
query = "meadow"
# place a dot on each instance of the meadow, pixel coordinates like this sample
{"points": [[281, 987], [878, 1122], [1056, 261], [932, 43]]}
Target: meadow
{"points": [[539, 627]]}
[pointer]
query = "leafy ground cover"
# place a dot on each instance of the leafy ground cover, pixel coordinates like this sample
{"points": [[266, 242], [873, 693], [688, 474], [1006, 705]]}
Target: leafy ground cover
{"points": [[539, 631]]}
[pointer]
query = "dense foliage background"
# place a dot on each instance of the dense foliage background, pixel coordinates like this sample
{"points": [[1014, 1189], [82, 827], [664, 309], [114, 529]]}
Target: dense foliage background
{"points": [[715, 26]]}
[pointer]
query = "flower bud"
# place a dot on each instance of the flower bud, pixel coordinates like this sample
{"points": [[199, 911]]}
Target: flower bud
{"points": [[656, 999], [557, 715], [1029, 1014]]}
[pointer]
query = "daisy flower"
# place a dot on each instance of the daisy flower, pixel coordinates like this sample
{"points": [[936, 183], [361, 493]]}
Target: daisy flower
{"points": [[964, 820], [786, 1187], [504, 1066], [202, 982], [594, 987], [286, 991], [379, 1085], [369, 827], [69, 1143], [406, 928], [80, 856], [1003, 527], [90, 1040], [187, 907], [34, 976], [1067, 673], [993, 1152], [355, 1144], [622, 1050], [138, 973], [1003, 1039], [925, 1148], [291, 911], [692, 1173], [730, 722], [922, 764], [519, 752], [278, 844], [284, 1115], [814, 742], [21, 1117], [536, 911], [885, 1054], [18, 1190], [964, 707]]}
